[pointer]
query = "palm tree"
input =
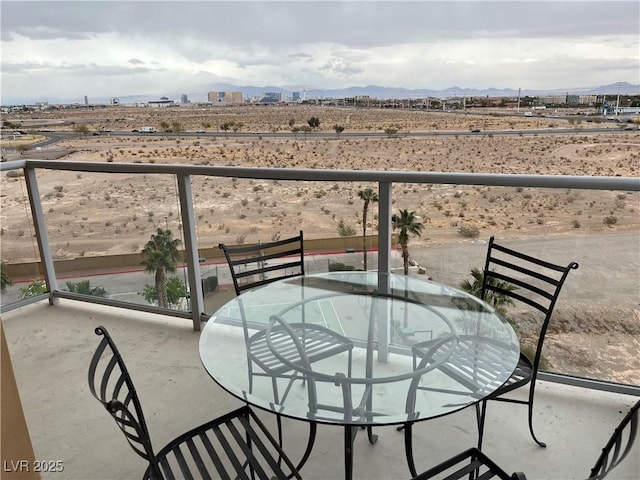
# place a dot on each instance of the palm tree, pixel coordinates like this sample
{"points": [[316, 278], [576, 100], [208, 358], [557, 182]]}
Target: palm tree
{"points": [[161, 256], [497, 300], [4, 278], [407, 222], [367, 195]]}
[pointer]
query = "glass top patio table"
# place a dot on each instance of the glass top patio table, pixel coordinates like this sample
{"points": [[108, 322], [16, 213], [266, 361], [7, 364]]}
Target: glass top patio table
{"points": [[383, 315]]}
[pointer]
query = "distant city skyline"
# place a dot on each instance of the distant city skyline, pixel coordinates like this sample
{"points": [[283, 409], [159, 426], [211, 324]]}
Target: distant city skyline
{"points": [[60, 51], [258, 94]]}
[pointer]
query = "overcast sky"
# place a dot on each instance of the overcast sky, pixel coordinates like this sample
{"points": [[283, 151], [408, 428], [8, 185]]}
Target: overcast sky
{"points": [[59, 50]]}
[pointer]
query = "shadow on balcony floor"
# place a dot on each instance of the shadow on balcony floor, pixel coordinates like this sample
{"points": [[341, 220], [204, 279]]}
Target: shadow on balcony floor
{"points": [[51, 348]]}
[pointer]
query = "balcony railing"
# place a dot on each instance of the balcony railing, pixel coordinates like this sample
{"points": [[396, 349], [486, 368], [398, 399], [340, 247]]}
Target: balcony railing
{"points": [[184, 178]]}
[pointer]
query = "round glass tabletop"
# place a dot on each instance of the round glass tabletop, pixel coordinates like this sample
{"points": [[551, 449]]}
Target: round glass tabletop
{"points": [[358, 348]]}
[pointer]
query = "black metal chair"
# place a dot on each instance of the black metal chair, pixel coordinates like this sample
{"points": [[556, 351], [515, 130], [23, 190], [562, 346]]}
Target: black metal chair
{"points": [[618, 446], [534, 282], [475, 365], [235, 445], [472, 463], [262, 263], [255, 265]]}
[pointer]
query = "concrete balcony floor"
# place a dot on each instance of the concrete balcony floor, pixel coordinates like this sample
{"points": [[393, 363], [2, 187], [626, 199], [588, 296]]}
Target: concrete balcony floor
{"points": [[51, 348]]}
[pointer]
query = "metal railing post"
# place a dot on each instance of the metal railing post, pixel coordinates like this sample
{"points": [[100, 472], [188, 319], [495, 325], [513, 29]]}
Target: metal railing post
{"points": [[384, 266], [192, 257], [41, 234], [384, 226]]}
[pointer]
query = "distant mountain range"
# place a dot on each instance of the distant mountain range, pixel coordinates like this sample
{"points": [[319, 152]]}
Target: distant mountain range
{"points": [[199, 93], [377, 91]]}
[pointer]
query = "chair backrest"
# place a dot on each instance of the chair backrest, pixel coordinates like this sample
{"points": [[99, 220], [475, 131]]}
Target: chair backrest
{"points": [[111, 385], [618, 446], [521, 277], [255, 265]]}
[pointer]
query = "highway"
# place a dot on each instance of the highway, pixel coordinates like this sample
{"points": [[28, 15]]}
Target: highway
{"points": [[54, 137]]}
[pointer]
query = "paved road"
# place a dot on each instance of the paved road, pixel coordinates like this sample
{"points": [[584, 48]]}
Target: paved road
{"points": [[609, 272]]}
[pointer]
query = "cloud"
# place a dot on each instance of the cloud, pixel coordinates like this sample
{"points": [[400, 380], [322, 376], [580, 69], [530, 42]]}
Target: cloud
{"points": [[93, 70], [300, 57], [420, 44], [21, 67], [361, 23], [338, 66]]}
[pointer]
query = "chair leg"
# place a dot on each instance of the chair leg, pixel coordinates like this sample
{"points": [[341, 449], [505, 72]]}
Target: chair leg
{"points": [[408, 449], [373, 438], [349, 437], [312, 438], [280, 434], [481, 411], [530, 405]]}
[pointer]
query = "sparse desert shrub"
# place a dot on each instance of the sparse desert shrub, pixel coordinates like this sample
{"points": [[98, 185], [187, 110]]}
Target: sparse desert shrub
{"points": [[610, 220], [340, 267], [15, 173], [575, 223], [345, 230], [468, 231]]}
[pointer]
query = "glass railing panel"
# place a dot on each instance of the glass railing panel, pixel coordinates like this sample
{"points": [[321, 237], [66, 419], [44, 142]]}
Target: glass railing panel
{"points": [[21, 275], [98, 225], [593, 332], [242, 211]]}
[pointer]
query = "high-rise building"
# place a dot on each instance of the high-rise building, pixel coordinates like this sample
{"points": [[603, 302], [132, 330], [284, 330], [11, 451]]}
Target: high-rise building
{"points": [[235, 97], [86, 100], [272, 97], [225, 98], [295, 96], [184, 99]]}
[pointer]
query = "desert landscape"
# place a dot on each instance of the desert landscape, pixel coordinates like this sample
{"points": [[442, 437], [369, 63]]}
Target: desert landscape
{"points": [[96, 214], [87, 212]]}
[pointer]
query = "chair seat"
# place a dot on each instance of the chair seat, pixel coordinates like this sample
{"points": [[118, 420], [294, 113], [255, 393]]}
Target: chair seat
{"points": [[475, 358], [236, 445], [319, 343], [520, 376]]}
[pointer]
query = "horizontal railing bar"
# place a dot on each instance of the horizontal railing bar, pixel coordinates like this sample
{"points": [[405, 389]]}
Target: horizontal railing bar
{"points": [[23, 302], [122, 304], [293, 174], [12, 165], [590, 383]]}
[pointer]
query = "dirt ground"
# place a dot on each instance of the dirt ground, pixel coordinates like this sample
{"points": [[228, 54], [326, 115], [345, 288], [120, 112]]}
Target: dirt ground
{"points": [[86, 212], [97, 214]]}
